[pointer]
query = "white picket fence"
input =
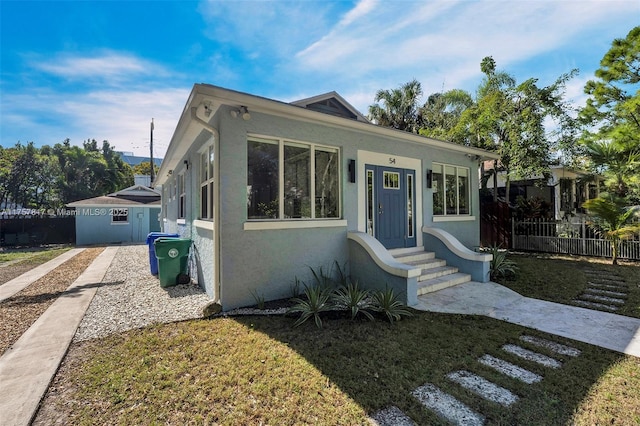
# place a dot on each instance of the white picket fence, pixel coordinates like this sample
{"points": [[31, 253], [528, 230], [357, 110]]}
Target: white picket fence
{"points": [[572, 236]]}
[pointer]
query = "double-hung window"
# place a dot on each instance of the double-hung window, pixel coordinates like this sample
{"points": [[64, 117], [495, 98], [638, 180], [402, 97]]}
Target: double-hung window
{"points": [[206, 183], [291, 180], [450, 190]]}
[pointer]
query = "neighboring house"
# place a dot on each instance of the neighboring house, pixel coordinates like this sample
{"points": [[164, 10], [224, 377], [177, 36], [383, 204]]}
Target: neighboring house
{"points": [[268, 190], [564, 192], [126, 216]]}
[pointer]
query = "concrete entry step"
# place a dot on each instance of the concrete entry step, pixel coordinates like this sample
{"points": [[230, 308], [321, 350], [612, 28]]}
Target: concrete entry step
{"points": [[413, 254], [437, 272], [528, 355], [510, 370], [447, 406], [435, 284], [558, 348], [483, 387]]}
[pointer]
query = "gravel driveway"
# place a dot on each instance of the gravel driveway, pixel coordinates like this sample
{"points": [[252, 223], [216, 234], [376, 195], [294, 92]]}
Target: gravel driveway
{"points": [[130, 297]]}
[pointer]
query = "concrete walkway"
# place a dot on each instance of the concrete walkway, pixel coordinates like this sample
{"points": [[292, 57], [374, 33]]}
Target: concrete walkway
{"points": [[27, 368], [10, 288], [610, 331]]}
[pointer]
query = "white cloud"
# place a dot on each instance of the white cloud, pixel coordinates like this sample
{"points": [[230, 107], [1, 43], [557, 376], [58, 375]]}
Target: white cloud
{"points": [[445, 40], [121, 117], [105, 65], [264, 29]]}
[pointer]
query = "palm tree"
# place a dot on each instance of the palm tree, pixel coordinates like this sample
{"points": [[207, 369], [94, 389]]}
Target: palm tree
{"points": [[399, 109], [617, 161], [613, 220]]}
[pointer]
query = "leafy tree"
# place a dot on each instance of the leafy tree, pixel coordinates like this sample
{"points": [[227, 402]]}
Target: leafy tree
{"points": [[89, 172], [612, 116], [144, 168], [613, 219], [441, 113], [398, 108], [510, 118]]}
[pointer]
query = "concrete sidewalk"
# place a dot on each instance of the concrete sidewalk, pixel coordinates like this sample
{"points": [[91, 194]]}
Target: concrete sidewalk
{"points": [[610, 331], [26, 369], [10, 288]]}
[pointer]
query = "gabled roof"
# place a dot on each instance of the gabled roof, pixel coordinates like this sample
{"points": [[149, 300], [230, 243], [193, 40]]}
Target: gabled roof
{"points": [[134, 196], [331, 103], [136, 191]]}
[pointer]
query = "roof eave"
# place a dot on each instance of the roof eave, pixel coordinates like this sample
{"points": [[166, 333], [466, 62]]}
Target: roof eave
{"points": [[221, 96]]}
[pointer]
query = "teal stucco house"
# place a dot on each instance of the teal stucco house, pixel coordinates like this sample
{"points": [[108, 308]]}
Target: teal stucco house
{"points": [[267, 189], [126, 216]]}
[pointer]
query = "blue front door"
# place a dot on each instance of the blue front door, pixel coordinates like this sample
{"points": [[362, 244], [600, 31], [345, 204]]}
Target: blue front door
{"points": [[390, 205]]}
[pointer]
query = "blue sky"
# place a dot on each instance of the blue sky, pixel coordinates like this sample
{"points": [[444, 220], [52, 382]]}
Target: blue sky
{"points": [[103, 69]]}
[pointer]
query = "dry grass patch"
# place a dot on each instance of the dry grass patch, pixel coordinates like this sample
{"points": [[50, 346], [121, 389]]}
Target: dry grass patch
{"points": [[21, 310], [262, 370], [24, 261], [614, 398]]}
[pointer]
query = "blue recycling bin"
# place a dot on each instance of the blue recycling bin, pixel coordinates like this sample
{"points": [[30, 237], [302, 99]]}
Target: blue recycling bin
{"points": [[153, 261]]}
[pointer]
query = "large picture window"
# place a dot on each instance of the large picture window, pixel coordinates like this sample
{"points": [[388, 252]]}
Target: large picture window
{"points": [[206, 183], [450, 190], [291, 180]]}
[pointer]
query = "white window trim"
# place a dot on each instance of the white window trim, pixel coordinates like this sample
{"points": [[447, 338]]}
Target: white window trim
{"points": [[312, 190], [444, 217], [453, 218], [204, 151], [294, 224]]}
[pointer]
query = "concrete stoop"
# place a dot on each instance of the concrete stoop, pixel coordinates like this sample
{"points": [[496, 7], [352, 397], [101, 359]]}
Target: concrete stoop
{"points": [[605, 291], [456, 412], [435, 274]]}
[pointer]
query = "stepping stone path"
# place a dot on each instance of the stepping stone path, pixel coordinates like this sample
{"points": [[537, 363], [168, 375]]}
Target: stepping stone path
{"points": [[605, 291], [457, 412]]}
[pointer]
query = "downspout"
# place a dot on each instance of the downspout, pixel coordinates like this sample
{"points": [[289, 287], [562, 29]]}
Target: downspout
{"points": [[216, 208]]}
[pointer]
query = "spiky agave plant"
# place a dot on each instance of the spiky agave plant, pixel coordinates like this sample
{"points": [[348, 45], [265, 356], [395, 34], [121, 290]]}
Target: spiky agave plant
{"points": [[351, 297], [386, 302], [316, 302], [500, 265]]}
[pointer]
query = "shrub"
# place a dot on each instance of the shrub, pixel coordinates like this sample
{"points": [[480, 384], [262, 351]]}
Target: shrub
{"points": [[386, 302], [351, 297], [500, 265], [317, 301]]}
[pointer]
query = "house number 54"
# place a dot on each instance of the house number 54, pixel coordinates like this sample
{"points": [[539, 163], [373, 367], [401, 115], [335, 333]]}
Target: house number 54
{"points": [[392, 160]]}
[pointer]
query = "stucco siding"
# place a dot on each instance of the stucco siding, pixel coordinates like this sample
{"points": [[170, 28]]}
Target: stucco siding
{"points": [[98, 229], [264, 263]]}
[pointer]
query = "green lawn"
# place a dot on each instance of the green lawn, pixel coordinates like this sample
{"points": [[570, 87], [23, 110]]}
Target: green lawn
{"points": [[562, 278], [31, 255], [261, 370]]}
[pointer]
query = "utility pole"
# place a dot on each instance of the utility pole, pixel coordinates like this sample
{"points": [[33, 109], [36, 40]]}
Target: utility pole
{"points": [[151, 158]]}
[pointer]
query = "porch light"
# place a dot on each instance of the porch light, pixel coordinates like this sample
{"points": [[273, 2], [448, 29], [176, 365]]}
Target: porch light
{"points": [[352, 171], [429, 178]]}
